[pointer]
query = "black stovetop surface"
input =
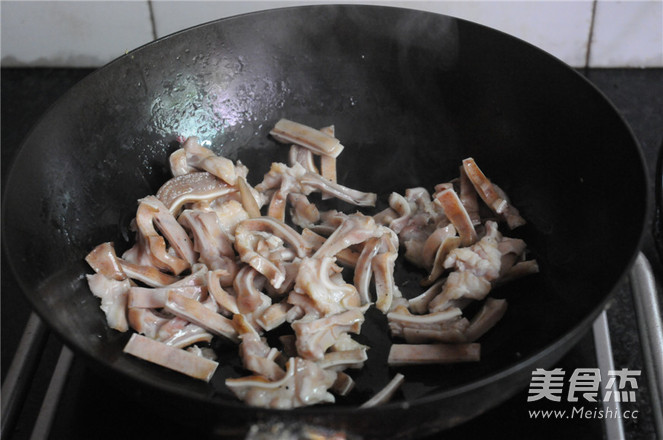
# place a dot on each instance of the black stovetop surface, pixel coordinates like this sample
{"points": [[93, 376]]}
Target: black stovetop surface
{"points": [[89, 408]]}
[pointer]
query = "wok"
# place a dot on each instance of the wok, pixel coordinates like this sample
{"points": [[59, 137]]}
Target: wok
{"points": [[411, 94]]}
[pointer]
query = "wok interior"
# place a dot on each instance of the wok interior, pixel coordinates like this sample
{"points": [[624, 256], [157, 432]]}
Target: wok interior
{"points": [[411, 94]]}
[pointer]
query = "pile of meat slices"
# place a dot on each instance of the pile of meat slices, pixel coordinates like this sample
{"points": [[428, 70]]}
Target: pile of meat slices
{"points": [[207, 263]]}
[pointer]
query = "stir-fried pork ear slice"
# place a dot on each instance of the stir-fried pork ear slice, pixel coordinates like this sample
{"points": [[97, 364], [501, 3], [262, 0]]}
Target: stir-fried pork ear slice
{"points": [[173, 358], [328, 163], [104, 261], [519, 270], [113, 294], [178, 163], [249, 298], [315, 336], [303, 213], [447, 326], [191, 187], [449, 242], [314, 182], [152, 212], [468, 197], [354, 229], [195, 312], [346, 256], [304, 383], [494, 198], [256, 355], [204, 159], [209, 240], [250, 231], [491, 312], [413, 354], [248, 200], [290, 132], [302, 156], [329, 294], [456, 213]]}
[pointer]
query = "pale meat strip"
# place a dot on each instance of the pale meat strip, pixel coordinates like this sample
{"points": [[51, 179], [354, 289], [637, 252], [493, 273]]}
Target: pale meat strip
{"points": [[302, 156], [173, 358], [290, 132], [415, 354], [491, 312], [193, 311], [312, 182], [178, 164], [490, 195], [328, 163], [113, 294], [155, 243], [248, 201], [468, 197], [191, 187], [204, 159], [456, 213], [104, 261], [346, 256]]}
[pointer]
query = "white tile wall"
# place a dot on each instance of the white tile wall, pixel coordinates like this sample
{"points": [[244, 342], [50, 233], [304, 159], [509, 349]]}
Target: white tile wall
{"points": [[628, 33], [92, 33]]}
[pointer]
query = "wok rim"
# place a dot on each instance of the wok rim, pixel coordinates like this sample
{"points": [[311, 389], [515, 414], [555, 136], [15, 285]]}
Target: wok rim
{"points": [[560, 345]]}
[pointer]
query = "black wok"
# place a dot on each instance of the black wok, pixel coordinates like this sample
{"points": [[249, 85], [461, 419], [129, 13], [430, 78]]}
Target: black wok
{"points": [[411, 94]]}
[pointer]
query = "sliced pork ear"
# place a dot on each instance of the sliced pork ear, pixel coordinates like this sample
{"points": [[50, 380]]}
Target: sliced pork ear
{"points": [[152, 212], [414, 354], [146, 321], [113, 294], [346, 257], [195, 312], [258, 357], [148, 275], [314, 182], [247, 236], [173, 358], [494, 198], [191, 187], [304, 383], [204, 159], [354, 229], [491, 312], [278, 203], [190, 334], [329, 297], [209, 239], [419, 304], [303, 213], [456, 213], [468, 197], [290, 132], [249, 298], [104, 261], [248, 199], [226, 301], [519, 270], [178, 163], [328, 163], [314, 337], [302, 156], [460, 285], [448, 244]]}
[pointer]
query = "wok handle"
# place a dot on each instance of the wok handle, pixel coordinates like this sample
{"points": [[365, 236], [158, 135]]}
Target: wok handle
{"points": [[650, 328]]}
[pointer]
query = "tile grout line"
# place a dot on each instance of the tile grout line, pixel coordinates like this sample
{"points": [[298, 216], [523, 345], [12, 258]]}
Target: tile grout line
{"points": [[152, 21], [590, 36]]}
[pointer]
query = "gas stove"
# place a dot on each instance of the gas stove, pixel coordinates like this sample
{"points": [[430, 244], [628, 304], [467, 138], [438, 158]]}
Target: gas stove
{"points": [[48, 393]]}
